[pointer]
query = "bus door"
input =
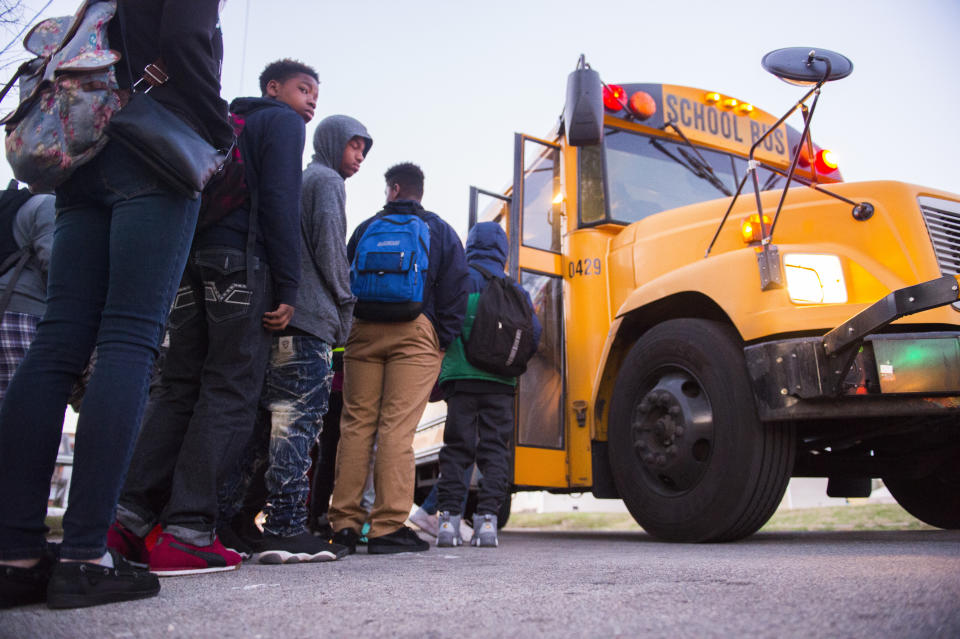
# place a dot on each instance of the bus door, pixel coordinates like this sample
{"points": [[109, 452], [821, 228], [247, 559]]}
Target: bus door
{"points": [[535, 260]]}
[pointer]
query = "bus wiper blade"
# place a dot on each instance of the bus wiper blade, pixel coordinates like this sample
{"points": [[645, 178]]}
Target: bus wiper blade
{"points": [[693, 166], [705, 171]]}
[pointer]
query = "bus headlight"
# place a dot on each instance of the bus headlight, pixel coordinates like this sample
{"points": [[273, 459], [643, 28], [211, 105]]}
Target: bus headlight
{"points": [[814, 279]]}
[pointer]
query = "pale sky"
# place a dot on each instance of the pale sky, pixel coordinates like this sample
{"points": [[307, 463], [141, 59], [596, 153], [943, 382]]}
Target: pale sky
{"points": [[446, 84]]}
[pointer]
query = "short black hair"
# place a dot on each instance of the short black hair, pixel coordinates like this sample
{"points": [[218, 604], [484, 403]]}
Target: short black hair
{"points": [[283, 70], [409, 177]]}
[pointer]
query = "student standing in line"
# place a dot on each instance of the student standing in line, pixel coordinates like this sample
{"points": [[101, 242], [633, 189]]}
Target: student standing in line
{"points": [[297, 389], [26, 233], [122, 238], [390, 368], [231, 301], [479, 408]]}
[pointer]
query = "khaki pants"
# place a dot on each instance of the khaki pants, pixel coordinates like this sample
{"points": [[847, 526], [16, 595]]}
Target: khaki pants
{"points": [[389, 370]]}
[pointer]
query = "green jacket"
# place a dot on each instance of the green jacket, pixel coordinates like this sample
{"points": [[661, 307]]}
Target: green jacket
{"points": [[455, 364]]}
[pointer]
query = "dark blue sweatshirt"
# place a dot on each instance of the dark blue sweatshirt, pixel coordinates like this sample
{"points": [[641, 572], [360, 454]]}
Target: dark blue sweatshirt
{"points": [[271, 145], [448, 282]]}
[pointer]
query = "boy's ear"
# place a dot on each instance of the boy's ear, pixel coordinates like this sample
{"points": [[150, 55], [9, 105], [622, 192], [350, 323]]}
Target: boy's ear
{"points": [[273, 88]]}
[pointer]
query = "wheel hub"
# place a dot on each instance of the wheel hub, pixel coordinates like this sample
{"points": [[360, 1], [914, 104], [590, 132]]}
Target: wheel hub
{"points": [[672, 432]]}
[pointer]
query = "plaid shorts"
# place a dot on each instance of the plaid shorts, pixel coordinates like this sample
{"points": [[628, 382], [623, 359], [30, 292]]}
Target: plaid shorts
{"points": [[16, 332]]}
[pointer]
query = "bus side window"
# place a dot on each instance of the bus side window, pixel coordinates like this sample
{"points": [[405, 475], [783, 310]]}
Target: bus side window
{"points": [[541, 183], [593, 208]]}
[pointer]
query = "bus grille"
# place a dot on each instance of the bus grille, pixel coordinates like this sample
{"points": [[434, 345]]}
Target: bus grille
{"points": [[943, 225]]}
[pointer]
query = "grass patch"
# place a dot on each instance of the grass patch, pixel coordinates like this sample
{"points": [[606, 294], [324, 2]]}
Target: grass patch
{"points": [[849, 517]]}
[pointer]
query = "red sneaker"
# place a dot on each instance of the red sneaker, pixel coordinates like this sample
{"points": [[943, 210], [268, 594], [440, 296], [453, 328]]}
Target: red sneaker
{"points": [[171, 557], [133, 548]]}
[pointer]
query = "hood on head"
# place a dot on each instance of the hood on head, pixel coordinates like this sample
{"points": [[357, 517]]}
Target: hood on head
{"points": [[487, 241], [246, 106], [331, 138]]}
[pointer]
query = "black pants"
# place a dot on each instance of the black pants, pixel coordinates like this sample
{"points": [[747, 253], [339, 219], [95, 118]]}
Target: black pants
{"points": [[478, 429], [202, 414], [325, 465]]}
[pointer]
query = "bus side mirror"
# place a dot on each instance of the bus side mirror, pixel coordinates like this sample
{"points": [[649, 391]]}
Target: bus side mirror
{"points": [[583, 111]]}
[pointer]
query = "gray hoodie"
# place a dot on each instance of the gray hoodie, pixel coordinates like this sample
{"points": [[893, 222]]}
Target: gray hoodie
{"points": [[33, 227], [325, 302]]}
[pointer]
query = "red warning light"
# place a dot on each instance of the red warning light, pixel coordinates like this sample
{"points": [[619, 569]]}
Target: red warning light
{"points": [[613, 97], [826, 161]]}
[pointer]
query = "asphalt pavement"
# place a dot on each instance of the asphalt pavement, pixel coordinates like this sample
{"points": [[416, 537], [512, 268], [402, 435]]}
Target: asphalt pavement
{"points": [[561, 584]]}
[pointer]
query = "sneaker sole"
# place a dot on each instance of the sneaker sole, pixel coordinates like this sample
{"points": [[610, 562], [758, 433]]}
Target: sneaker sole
{"points": [[277, 557], [192, 571], [243, 555], [57, 601]]}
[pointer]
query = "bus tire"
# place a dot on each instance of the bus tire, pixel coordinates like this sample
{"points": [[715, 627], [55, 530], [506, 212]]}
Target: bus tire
{"points": [[690, 458], [934, 499]]}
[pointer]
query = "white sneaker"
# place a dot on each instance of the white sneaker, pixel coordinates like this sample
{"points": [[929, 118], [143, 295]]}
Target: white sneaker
{"points": [[466, 532], [426, 522]]}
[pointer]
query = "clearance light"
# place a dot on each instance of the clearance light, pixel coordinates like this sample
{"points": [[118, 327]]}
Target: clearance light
{"points": [[826, 161], [744, 109], [750, 229], [642, 105], [730, 103], [711, 98], [558, 198], [804, 152], [614, 97], [814, 279]]}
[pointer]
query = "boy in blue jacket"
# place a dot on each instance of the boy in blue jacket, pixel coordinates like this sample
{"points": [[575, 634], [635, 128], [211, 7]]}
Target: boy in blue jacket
{"points": [[479, 410]]}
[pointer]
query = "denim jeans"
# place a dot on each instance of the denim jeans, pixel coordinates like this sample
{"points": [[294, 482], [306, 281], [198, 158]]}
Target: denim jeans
{"points": [[120, 242], [202, 413], [295, 398]]}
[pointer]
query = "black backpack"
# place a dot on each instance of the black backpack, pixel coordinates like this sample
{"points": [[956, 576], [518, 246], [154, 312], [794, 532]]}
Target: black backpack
{"points": [[501, 339]]}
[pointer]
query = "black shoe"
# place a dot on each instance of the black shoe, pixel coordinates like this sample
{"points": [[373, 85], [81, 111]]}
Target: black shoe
{"points": [[22, 586], [298, 548], [348, 538], [77, 584], [244, 545], [401, 540]]}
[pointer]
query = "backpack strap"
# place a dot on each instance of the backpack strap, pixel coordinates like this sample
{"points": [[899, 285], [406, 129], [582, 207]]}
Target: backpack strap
{"points": [[486, 274], [20, 257]]}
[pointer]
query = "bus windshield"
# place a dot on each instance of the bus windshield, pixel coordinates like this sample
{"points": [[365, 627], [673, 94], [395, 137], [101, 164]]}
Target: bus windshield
{"points": [[647, 175]]}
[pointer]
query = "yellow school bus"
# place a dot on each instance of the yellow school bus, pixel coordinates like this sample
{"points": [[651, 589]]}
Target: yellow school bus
{"points": [[722, 312]]}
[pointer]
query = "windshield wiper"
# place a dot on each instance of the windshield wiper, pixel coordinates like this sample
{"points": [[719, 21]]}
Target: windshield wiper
{"points": [[699, 162], [693, 165]]}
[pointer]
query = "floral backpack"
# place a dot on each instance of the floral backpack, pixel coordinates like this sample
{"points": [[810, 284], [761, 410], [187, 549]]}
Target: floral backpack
{"points": [[67, 95]]}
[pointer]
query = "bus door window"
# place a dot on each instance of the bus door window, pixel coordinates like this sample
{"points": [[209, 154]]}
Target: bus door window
{"points": [[541, 207], [540, 420]]}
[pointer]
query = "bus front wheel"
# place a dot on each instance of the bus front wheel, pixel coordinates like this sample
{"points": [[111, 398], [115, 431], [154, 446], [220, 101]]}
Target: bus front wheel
{"points": [[689, 456]]}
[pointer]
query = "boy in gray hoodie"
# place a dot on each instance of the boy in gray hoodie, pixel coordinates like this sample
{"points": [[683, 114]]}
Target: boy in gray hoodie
{"points": [[297, 387]]}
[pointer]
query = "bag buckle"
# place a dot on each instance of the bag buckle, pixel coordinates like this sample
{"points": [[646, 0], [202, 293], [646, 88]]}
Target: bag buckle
{"points": [[154, 75]]}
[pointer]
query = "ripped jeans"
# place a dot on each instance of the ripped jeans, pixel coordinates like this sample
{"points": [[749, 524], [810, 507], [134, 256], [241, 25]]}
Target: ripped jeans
{"points": [[295, 396]]}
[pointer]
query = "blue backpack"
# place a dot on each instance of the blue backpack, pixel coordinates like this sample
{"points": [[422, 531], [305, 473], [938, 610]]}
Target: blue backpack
{"points": [[389, 269]]}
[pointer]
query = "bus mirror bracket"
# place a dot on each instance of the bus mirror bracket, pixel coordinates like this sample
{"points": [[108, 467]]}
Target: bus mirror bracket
{"points": [[583, 111], [804, 67]]}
